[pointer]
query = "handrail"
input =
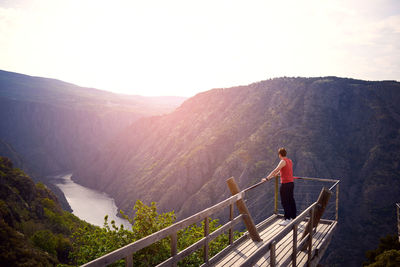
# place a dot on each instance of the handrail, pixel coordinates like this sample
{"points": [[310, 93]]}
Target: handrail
{"points": [[318, 179], [157, 236], [301, 178], [335, 184], [253, 186], [335, 181]]}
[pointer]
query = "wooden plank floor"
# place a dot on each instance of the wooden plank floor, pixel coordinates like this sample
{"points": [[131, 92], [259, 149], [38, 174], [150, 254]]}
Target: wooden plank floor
{"points": [[268, 230]]}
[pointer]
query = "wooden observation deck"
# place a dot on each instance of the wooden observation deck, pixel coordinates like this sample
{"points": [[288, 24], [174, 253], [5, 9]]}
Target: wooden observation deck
{"points": [[302, 242]]}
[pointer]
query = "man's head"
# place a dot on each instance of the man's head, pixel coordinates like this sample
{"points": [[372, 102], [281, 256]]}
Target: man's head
{"points": [[282, 152]]}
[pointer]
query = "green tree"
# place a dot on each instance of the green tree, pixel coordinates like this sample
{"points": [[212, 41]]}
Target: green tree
{"points": [[389, 258], [46, 241], [148, 221], [386, 252], [91, 242]]}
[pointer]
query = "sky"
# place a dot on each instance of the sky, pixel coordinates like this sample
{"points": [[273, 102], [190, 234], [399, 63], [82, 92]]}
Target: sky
{"points": [[183, 47]]}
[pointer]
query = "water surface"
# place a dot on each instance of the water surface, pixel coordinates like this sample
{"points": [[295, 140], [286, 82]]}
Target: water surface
{"points": [[88, 204]]}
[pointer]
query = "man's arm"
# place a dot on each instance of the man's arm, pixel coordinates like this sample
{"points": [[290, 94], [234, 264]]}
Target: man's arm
{"points": [[275, 172]]}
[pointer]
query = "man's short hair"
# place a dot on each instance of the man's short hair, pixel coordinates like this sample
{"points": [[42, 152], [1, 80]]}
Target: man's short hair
{"points": [[282, 152]]}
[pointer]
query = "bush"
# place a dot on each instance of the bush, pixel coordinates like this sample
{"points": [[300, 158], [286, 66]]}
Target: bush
{"points": [[388, 243], [63, 248], [389, 258], [46, 241]]}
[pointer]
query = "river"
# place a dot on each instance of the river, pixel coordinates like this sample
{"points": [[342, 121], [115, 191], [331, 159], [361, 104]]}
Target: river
{"points": [[88, 204]]}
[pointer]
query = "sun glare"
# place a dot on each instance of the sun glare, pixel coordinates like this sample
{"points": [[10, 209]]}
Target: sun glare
{"points": [[183, 47]]}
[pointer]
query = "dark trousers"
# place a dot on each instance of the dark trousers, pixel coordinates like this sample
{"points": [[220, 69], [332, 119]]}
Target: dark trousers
{"points": [[287, 200]]}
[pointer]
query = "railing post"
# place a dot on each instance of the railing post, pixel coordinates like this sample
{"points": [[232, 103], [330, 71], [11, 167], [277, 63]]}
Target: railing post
{"points": [[248, 221], [174, 246], [294, 255], [206, 245], [230, 229], [272, 254], [129, 261], [318, 209], [310, 234], [337, 202], [398, 219], [276, 195]]}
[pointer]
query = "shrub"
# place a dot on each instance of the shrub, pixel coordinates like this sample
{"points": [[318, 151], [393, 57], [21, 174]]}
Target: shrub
{"points": [[46, 241]]}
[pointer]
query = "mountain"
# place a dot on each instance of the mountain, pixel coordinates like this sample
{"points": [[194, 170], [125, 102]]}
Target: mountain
{"points": [[332, 127], [54, 125]]}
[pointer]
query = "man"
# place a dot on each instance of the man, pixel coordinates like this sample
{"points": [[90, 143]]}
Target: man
{"points": [[285, 168]]}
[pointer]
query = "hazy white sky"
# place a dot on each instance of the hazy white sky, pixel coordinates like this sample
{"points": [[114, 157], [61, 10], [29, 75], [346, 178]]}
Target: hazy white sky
{"points": [[182, 47]]}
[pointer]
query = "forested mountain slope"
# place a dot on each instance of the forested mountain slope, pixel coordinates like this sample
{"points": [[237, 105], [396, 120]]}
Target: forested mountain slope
{"points": [[332, 127], [34, 230]]}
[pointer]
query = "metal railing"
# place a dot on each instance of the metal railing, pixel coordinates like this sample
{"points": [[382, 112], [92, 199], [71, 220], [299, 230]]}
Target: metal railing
{"points": [[333, 186], [127, 251]]}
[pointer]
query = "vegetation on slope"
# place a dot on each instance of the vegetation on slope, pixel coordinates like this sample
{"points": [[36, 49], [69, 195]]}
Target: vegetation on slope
{"points": [[34, 230], [387, 254]]}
